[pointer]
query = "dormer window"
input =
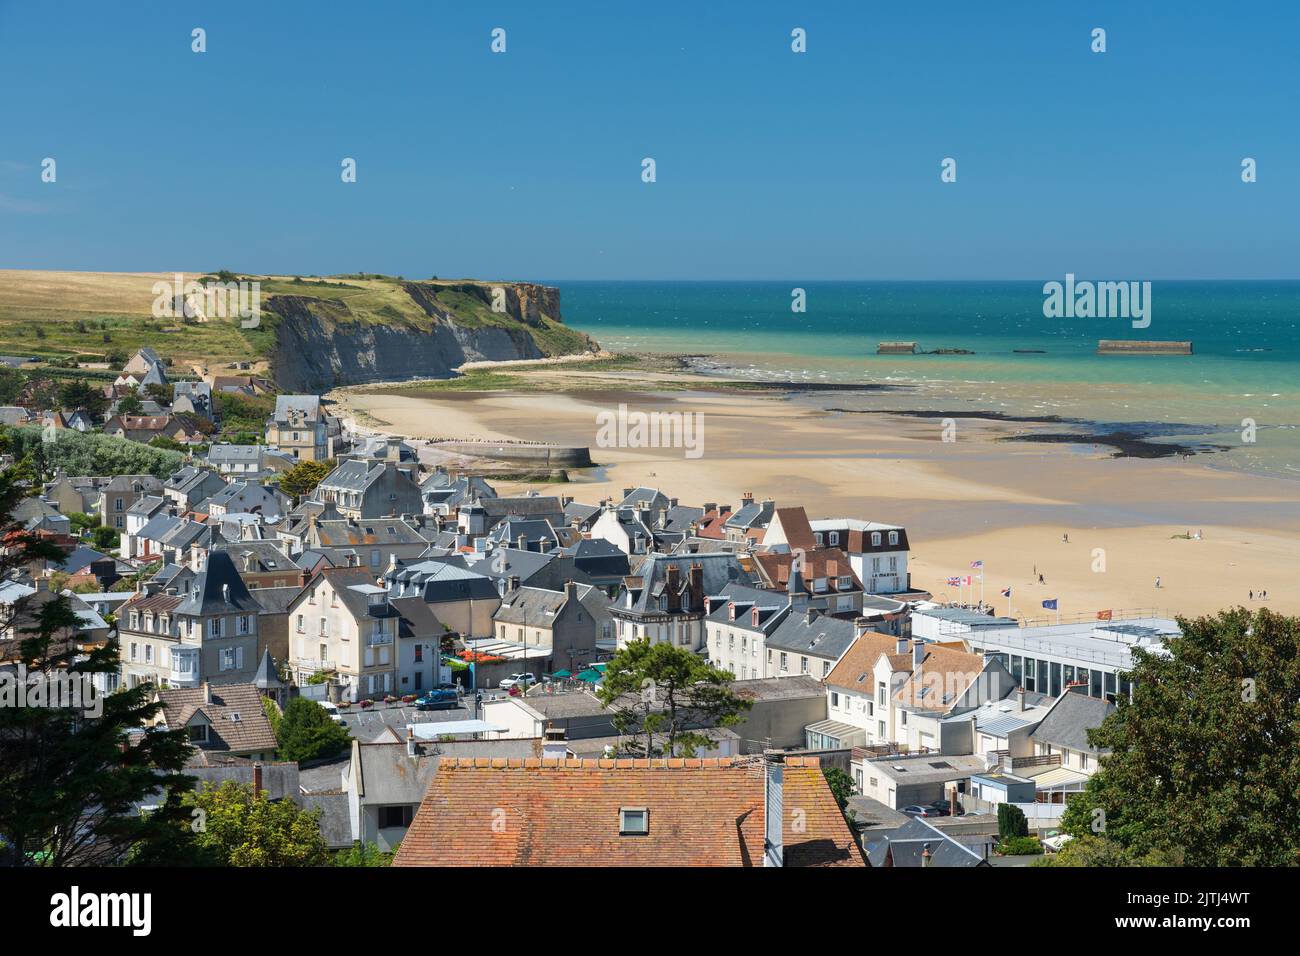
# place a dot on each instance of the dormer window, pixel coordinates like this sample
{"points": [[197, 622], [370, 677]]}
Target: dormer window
{"points": [[817, 536], [833, 538], [846, 582], [893, 537], [633, 821], [875, 539]]}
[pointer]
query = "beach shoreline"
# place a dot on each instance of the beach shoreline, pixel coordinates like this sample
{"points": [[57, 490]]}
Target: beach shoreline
{"points": [[976, 497]]}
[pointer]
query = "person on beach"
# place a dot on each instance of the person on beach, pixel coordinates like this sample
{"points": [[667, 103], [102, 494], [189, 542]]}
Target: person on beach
{"points": [[1065, 538], [1252, 595], [1157, 581], [1040, 580]]}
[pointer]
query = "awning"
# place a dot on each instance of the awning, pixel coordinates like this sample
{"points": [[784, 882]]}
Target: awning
{"points": [[560, 674], [433, 729], [590, 676], [1062, 777]]}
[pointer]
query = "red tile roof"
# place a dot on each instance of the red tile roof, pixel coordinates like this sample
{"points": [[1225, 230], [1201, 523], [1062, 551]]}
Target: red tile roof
{"points": [[702, 812]]}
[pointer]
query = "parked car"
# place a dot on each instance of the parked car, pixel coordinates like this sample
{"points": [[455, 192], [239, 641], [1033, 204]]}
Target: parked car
{"points": [[515, 680], [940, 808], [333, 711], [919, 811], [438, 699]]}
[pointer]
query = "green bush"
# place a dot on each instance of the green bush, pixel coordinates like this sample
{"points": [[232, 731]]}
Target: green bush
{"points": [[1021, 846]]}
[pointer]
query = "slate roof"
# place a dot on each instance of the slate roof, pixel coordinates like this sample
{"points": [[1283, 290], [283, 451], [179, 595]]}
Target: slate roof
{"points": [[701, 812], [947, 669], [823, 636], [527, 506], [438, 581], [207, 594], [1068, 722], [719, 570], [308, 405], [905, 846]]}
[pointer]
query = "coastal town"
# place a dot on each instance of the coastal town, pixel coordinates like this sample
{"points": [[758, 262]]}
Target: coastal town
{"points": [[649, 679]]}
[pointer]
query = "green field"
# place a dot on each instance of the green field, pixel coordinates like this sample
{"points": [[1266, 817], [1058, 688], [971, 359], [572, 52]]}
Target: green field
{"points": [[94, 316]]}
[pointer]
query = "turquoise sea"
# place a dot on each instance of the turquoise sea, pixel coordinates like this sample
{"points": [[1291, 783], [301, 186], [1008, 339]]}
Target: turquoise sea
{"points": [[1245, 364]]}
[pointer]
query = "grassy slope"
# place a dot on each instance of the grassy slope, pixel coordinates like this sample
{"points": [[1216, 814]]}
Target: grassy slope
{"points": [[40, 314]]}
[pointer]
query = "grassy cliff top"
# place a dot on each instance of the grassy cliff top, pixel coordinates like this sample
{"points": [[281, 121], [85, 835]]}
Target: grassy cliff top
{"points": [[92, 315]]}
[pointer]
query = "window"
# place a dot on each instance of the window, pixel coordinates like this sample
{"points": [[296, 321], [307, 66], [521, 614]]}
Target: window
{"points": [[419, 653], [803, 665], [148, 653], [133, 647], [394, 817], [826, 669], [243, 624], [633, 821], [199, 733], [214, 626], [817, 536], [835, 700], [893, 537], [300, 624], [1083, 761], [902, 718], [834, 538], [875, 539], [783, 660]]}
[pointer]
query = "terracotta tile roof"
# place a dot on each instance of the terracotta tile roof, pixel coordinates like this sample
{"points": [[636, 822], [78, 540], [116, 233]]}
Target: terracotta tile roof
{"points": [[702, 812], [859, 660], [831, 563], [946, 673], [798, 532]]}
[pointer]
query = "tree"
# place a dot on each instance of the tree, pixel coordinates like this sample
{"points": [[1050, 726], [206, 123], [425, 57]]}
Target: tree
{"points": [[306, 732], [1202, 765], [79, 393], [273, 715], [159, 392], [105, 538], [363, 854], [130, 404], [841, 785], [302, 479], [71, 777], [91, 454], [235, 828], [1011, 822], [663, 691]]}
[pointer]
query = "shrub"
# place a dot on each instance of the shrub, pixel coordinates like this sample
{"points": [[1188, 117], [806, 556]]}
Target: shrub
{"points": [[1021, 846], [1011, 822]]}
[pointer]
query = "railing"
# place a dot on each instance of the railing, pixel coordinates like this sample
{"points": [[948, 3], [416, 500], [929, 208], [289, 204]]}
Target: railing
{"points": [[313, 665], [1039, 760]]}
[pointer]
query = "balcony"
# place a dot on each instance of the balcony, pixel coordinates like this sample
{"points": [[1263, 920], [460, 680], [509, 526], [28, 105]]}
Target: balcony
{"points": [[311, 665]]}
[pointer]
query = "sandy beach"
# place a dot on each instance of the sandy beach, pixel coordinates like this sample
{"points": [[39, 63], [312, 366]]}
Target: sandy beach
{"points": [[972, 498]]}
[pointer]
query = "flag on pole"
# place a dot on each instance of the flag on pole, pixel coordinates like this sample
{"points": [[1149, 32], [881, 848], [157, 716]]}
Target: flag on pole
{"points": [[954, 582], [1050, 605], [1103, 615], [967, 579], [977, 564], [1006, 592]]}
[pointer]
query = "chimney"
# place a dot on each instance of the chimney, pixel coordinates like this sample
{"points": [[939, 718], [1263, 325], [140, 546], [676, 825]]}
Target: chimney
{"points": [[257, 780], [521, 542], [696, 587], [672, 502], [513, 582], [1020, 698], [926, 856], [901, 647], [747, 498], [570, 591], [554, 746], [710, 506], [918, 654], [628, 491], [410, 741], [810, 615], [673, 587], [207, 692]]}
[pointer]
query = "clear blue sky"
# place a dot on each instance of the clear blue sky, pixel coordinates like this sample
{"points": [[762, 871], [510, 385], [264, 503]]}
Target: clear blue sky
{"points": [[770, 164]]}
